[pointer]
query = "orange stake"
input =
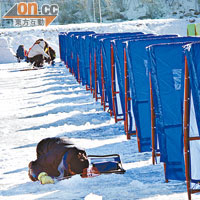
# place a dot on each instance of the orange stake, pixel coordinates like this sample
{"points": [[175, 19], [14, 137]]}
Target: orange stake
{"points": [[152, 122], [166, 180], [102, 83], [95, 76], [79, 80], [126, 96], [113, 82], [90, 74]]}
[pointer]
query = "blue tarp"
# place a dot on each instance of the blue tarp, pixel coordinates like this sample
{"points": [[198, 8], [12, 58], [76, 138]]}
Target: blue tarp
{"points": [[84, 56], [82, 44], [95, 51], [67, 47], [167, 76], [85, 46], [106, 49], [118, 46], [62, 45], [73, 49], [192, 52], [137, 59], [104, 44]]}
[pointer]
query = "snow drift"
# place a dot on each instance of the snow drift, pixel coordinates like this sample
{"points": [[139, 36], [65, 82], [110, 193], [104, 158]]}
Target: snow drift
{"points": [[6, 53]]}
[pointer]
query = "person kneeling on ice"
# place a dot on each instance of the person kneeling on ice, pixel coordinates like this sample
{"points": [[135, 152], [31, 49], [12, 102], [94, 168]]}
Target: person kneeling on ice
{"points": [[37, 53], [57, 158]]}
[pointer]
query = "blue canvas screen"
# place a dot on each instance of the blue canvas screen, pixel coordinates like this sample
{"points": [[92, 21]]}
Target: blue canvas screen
{"points": [[167, 76], [138, 68]]}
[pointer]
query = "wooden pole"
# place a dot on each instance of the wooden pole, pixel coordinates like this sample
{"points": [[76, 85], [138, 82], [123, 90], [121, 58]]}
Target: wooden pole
{"points": [[113, 82], [186, 130], [126, 96], [102, 83], [152, 122], [95, 77], [79, 80], [67, 65], [138, 139], [90, 74], [165, 166]]}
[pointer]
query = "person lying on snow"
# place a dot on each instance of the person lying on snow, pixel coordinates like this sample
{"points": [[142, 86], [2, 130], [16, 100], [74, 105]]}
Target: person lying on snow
{"points": [[57, 158], [37, 53]]}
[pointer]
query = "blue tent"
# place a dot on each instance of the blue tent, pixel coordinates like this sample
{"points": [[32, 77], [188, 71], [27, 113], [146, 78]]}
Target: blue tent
{"points": [[88, 44], [70, 48], [192, 117], [81, 57], [62, 45], [74, 49], [167, 76], [118, 46], [85, 45], [111, 84], [137, 59], [85, 48], [95, 51], [118, 49], [84, 55], [103, 45]]}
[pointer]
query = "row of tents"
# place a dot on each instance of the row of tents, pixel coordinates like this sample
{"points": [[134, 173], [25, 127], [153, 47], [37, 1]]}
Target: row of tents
{"points": [[152, 83]]}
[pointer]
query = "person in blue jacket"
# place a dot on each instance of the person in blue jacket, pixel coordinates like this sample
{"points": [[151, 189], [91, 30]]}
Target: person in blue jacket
{"points": [[20, 53]]}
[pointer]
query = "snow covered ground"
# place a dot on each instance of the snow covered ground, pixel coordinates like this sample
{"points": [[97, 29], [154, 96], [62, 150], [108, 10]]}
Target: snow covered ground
{"points": [[49, 102]]}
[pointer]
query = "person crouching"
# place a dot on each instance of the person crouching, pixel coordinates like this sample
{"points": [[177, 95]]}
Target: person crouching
{"points": [[36, 53], [20, 54], [57, 158]]}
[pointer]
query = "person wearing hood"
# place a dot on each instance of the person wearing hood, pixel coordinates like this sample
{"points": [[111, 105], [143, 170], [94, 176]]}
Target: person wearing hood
{"points": [[20, 54], [37, 53]]}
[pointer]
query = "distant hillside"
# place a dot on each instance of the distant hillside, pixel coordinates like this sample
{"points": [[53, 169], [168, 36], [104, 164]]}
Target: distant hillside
{"points": [[73, 11]]}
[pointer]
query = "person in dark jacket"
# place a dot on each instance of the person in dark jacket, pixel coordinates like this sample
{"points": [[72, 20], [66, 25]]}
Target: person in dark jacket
{"points": [[51, 52], [57, 158], [20, 53]]}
